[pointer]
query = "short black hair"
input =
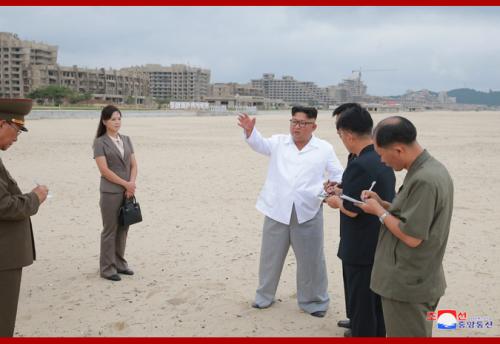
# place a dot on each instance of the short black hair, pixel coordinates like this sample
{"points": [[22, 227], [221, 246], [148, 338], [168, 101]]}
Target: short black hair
{"points": [[395, 129], [355, 119], [309, 111], [341, 108]]}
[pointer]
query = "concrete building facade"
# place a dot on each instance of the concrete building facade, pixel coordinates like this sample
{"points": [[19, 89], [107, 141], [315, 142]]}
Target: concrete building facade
{"points": [[177, 82], [290, 90], [233, 88], [105, 84], [16, 57], [26, 66]]}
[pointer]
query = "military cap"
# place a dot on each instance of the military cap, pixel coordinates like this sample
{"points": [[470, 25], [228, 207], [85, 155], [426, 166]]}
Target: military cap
{"points": [[14, 110]]}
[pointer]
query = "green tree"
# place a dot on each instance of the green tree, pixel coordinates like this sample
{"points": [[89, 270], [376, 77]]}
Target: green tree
{"points": [[162, 102], [54, 93], [130, 100], [79, 97]]}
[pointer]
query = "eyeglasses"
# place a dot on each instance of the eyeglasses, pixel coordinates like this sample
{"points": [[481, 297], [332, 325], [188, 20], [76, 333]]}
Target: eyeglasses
{"points": [[19, 131], [301, 124]]}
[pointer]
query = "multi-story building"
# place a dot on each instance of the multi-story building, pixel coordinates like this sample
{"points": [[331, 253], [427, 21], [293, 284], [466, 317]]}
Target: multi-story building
{"points": [[290, 90], [16, 57], [235, 96], [105, 84], [176, 83], [233, 88], [355, 89], [26, 66]]}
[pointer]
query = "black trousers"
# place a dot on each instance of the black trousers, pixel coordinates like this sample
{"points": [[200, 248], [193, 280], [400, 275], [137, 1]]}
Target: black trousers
{"points": [[346, 293], [364, 306]]}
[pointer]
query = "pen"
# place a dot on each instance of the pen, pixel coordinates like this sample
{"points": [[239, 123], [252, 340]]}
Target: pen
{"points": [[373, 184]]}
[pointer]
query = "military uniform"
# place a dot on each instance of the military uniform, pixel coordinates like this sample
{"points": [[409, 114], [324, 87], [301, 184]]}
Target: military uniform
{"points": [[17, 248], [411, 280]]}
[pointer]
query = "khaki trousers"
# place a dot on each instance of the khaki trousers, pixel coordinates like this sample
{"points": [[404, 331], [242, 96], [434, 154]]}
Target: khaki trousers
{"points": [[404, 319], [113, 236], [10, 284]]}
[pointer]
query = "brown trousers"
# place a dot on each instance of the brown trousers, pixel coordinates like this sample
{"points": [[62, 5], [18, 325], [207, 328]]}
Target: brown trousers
{"points": [[10, 284], [113, 236]]}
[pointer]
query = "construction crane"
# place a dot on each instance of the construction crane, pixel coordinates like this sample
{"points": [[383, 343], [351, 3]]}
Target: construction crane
{"points": [[371, 70], [360, 70]]}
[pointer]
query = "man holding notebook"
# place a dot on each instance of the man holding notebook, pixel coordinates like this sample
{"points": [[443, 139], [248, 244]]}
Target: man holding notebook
{"points": [[359, 230]]}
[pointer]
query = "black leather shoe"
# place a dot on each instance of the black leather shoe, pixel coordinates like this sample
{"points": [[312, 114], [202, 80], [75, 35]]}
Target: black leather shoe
{"points": [[344, 323], [348, 333], [114, 277], [319, 314], [126, 272], [254, 305]]}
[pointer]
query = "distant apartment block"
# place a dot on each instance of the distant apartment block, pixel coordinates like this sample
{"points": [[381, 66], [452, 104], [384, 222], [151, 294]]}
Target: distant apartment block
{"points": [[290, 90], [354, 87], [351, 89], [17, 56], [105, 84], [233, 95], [176, 83], [233, 88], [26, 66]]}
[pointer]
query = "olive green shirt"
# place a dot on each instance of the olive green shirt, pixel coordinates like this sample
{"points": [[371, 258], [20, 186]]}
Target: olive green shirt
{"points": [[424, 206]]}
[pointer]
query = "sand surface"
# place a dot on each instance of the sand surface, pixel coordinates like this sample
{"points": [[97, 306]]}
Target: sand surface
{"points": [[196, 253]]}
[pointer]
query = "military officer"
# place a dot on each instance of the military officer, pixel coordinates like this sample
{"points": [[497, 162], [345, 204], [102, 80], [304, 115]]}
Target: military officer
{"points": [[17, 248]]}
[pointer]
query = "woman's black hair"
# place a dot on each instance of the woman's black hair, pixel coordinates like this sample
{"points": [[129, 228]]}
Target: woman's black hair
{"points": [[106, 114]]}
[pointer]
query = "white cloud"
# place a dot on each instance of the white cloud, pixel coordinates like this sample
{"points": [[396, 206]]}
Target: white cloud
{"points": [[435, 48]]}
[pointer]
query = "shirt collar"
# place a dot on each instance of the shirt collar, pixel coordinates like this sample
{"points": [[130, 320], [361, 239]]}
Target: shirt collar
{"points": [[419, 161], [369, 148], [313, 142]]}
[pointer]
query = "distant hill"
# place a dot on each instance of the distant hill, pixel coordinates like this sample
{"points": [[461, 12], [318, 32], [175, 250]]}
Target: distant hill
{"points": [[470, 96]]}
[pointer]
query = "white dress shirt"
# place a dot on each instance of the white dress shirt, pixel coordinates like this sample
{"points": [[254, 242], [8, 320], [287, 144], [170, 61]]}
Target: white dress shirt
{"points": [[119, 144], [294, 177]]}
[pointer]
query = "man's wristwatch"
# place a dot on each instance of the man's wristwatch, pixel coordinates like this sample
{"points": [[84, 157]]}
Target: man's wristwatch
{"points": [[382, 217]]}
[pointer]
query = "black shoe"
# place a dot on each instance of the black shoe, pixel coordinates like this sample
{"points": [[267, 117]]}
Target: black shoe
{"points": [[114, 277], [254, 305], [319, 314], [126, 272], [344, 323], [348, 333]]}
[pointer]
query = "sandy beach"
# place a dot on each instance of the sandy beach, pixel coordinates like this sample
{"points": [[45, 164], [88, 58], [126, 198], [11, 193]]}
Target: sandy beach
{"points": [[196, 254]]}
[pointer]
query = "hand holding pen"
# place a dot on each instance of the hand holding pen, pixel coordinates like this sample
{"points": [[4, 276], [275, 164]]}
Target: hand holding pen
{"points": [[42, 192]]}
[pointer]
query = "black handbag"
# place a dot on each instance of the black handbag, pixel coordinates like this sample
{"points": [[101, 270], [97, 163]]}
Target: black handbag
{"points": [[130, 212]]}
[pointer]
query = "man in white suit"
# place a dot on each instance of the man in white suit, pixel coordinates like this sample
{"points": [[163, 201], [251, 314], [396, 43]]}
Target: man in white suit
{"points": [[293, 211]]}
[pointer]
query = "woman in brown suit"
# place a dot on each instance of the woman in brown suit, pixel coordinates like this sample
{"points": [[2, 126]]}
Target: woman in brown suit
{"points": [[114, 156]]}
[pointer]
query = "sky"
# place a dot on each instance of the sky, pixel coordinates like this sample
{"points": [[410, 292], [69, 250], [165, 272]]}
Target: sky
{"points": [[397, 48]]}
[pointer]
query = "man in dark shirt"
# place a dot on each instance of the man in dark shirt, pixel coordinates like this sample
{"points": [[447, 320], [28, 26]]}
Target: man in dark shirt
{"points": [[358, 230], [330, 188]]}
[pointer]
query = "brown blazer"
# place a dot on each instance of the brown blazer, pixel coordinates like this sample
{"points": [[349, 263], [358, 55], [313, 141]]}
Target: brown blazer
{"points": [[17, 246], [103, 146]]}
